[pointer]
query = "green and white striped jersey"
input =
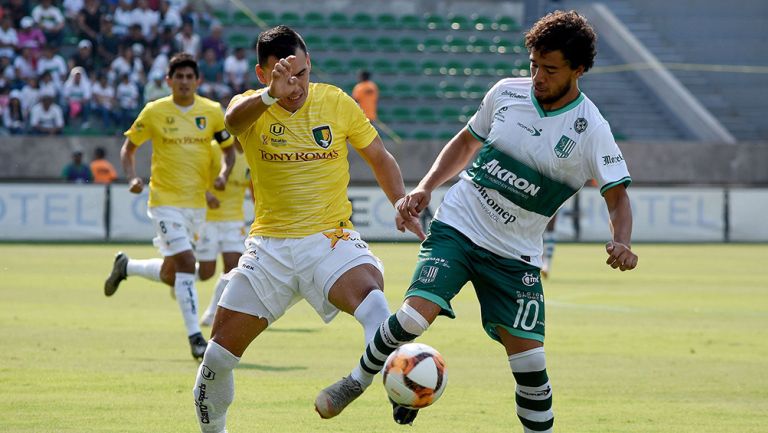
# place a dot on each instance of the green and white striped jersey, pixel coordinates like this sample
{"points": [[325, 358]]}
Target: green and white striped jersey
{"points": [[531, 162]]}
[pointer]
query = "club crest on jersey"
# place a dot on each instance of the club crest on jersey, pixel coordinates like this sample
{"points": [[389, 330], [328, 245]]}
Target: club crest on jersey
{"points": [[564, 147], [580, 125], [323, 136], [201, 122]]}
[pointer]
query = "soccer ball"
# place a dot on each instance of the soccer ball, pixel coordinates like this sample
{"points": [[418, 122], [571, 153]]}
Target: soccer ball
{"points": [[415, 375]]}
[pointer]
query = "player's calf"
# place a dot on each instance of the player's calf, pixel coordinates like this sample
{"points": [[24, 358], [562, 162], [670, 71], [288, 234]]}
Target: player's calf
{"points": [[533, 393]]}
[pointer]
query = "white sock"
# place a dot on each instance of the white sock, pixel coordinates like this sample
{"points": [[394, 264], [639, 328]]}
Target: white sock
{"points": [[372, 312], [214, 388], [533, 391], [186, 296], [217, 291], [149, 268]]}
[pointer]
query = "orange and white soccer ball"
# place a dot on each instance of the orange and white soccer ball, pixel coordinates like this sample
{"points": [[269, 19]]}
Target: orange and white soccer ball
{"points": [[415, 375]]}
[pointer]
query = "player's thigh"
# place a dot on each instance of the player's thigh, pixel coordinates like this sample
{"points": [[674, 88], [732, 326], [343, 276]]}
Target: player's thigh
{"points": [[345, 272], [511, 298], [240, 317], [176, 229], [443, 267]]}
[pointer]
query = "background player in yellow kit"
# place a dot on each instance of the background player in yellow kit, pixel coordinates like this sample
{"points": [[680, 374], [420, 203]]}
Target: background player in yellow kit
{"points": [[302, 243], [181, 127]]}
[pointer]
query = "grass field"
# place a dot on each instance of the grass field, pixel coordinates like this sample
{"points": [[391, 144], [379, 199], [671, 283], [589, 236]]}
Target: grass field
{"points": [[678, 345]]}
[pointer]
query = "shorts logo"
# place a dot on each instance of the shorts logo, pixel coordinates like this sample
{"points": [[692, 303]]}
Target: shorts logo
{"points": [[336, 235], [201, 122], [207, 373], [428, 274], [564, 147], [530, 279], [323, 136]]}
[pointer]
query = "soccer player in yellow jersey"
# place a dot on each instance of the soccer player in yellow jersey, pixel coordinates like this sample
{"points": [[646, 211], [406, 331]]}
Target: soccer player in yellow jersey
{"points": [[224, 229], [181, 127], [302, 243]]}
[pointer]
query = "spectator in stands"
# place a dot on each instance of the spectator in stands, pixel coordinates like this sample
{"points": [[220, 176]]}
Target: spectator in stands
{"points": [[170, 17], [83, 57], [156, 88], [147, 18], [52, 63], [89, 21], [127, 64], [13, 115], [236, 70], [123, 17], [8, 73], [46, 117], [17, 10], [134, 36], [215, 41], [9, 40], [72, 9], [103, 101], [29, 94], [77, 97], [47, 85], [51, 21], [160, 62], [30, 36], [127, 96], [76, 171], [366, 93], [108, 43], [212, 73], [166, 40], [188, 41], [103, 170], [25, 64]]}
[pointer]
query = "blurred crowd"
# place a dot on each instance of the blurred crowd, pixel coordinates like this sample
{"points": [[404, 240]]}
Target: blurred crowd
{"points": [[91, 65]]}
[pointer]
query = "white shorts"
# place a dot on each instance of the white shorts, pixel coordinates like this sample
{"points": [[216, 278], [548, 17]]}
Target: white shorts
{"points": [[220, 237], [279, 272], [176, 228]]}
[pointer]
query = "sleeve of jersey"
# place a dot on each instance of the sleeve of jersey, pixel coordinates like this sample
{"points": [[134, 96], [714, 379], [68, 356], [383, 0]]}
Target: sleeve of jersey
{"points": [[360, 132], [479, 124], [140, 131], [222, 136], [607, 164]]}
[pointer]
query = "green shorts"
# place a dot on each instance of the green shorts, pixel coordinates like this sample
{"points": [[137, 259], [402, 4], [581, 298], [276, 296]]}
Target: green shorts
{"points": [[509, 290]]}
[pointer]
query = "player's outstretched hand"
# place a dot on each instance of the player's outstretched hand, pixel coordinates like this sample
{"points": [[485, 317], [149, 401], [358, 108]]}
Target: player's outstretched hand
{"points": [[412, 224], [136, 185], [284, 82], [413, 203], [620, 256]]}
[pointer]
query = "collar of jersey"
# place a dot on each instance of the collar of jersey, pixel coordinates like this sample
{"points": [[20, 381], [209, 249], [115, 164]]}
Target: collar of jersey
{"points": [[560, 110]]}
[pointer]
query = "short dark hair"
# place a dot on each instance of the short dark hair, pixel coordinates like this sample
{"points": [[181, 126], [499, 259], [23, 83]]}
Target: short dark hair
{"points": [[182, 60], [365, 75], [568, 32], [280, 41], [99, 153]]}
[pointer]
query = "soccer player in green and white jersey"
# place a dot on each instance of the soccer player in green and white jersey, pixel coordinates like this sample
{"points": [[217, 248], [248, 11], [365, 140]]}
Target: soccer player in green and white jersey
{"points": [[533, 143]]}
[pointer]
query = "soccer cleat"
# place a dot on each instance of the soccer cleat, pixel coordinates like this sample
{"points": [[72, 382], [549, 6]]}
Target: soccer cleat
{"points": [[333, 399], [403, 415], [117, 275], [198, 345]]}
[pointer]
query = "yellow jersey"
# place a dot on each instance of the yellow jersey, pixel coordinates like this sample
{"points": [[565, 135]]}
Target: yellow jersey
{"points": [[181, 149], [231, 199], [299, 165]]}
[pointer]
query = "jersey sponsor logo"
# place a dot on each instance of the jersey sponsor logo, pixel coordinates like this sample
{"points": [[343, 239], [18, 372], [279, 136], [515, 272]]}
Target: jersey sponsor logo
{"points": [[580, 125], [499, 115], [564, 147], [494, 169], [492, 207], [530, 280], [298, 156], [428, 274], [533, 131], [515, 95], [200, 403], [277, 129], [187, 140], [610, 159], [201, 122], [322, 135]]}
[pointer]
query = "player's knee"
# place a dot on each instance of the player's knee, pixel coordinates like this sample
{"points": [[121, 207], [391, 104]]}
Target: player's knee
{"points": [[168, 276], [205, 274], [411, 320]]}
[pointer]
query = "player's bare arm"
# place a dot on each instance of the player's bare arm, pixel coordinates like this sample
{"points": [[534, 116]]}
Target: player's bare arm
{"points": [[227, 162], [390, 179], [128, 160], [451, 160], [282, 80], [619, 250]]}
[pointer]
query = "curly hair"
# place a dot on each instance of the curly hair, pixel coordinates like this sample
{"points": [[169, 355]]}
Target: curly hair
{"points": [[568, 32]]}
